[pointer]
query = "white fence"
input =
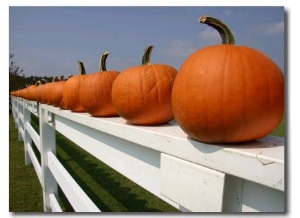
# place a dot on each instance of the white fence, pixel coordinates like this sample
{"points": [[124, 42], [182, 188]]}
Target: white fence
{"points": [[189, 175]]}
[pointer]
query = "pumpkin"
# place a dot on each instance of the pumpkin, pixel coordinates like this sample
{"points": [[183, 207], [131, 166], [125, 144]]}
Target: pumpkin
{"points": [[62, 103], [29, 90], [40, 97], [142, 94], [227, 93], [71, 90], [47, 91], [95, 91], [56, 92]]}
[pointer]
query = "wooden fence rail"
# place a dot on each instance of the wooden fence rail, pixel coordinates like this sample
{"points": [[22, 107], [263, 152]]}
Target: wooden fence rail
{"points": [[190, 175]]}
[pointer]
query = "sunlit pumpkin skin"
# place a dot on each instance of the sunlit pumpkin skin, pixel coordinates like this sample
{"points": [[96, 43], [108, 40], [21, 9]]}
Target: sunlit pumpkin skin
{"points": [[227, 93], [71, 91], [56, 92], [47, 91], [28, 91], [40, 90], [62, 103], [142, 94], [95, 91]]}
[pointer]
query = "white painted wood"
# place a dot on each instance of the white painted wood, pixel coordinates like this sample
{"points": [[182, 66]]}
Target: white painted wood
{"points": [[265, 156], [196, 188], [35, 163], [34, 135], [21, 134], [233, 194], [27, 137], [77, 198], [47, 142], [55, 207], [20, 120], [258, 198]]}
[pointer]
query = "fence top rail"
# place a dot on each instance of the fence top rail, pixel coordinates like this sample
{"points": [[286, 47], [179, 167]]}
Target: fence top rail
{"points": [[260, 161]]}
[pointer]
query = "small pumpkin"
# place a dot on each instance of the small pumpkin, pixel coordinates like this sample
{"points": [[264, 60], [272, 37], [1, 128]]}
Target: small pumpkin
{"points": [[227, 93], [142, 94], [62, 103], [47, 91], [71, 90], [95, 91], [56, 92], [29, 90], [40, 90]]}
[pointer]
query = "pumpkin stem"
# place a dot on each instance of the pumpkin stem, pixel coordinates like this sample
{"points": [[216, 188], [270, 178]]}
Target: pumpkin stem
{"points": [[81, 68], [224, 31], [37, 83], [102, 64], [147, 54], [62, 78], [43, 81], [54, 79]]}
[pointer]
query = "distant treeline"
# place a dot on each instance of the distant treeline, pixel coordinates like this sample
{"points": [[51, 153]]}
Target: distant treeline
{"points": [[17, 82]]}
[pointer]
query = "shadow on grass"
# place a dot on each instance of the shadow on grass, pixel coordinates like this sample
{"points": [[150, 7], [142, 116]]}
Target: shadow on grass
{"points": [[108, 189]]}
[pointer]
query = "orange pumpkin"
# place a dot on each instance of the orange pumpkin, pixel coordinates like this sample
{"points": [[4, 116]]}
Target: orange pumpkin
{"points": [[29, 90], [95, 91], [39, 91], [62, 103], [56, 92], [228, 93], [142, 94], [71, 90], [47, 91]]}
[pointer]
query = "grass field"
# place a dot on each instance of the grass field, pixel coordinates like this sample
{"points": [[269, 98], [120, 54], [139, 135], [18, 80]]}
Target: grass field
{"points": [[109, 190]]}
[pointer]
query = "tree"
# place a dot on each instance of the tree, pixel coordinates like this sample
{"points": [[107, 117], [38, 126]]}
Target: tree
{"points": [[16, 75]]}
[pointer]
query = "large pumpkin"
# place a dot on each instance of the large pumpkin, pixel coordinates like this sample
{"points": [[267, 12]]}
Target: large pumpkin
{"points": [[142, 94], [95, 91], [71, 90], [228, 93]]}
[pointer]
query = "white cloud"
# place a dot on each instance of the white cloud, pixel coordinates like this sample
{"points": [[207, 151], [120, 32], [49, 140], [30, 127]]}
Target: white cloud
{"points": [[210, 35], [268, 29], [227, 11], [274, 28], [179, 49]]}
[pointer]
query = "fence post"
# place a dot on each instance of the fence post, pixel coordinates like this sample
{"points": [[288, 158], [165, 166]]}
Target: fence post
{"points": [[47, 137], [27, 137], [20, 111]]}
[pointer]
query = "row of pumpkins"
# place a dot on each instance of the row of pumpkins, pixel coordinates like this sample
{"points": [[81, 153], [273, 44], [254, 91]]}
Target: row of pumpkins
{"points": [[221, 93]]}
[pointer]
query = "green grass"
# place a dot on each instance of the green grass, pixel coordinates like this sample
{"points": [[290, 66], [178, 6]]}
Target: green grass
{"points": [[108, 189], [280, 129], [25, 192]]}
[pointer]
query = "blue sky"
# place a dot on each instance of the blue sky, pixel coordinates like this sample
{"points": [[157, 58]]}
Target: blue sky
{"points": [[48, 41]]}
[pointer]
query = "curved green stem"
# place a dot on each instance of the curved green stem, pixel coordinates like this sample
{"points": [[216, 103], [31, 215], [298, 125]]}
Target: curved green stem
{"points": [[81, 68], [102, 64], [224, 31], [147, 54]]}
